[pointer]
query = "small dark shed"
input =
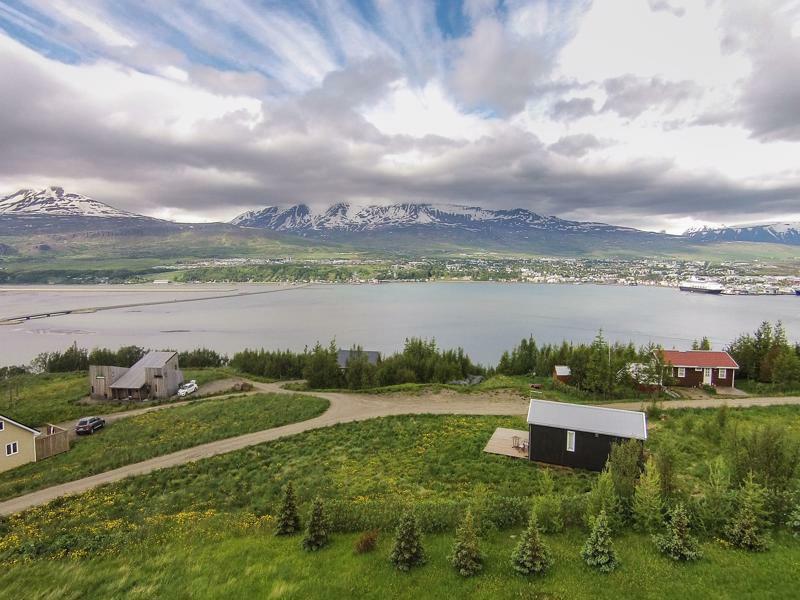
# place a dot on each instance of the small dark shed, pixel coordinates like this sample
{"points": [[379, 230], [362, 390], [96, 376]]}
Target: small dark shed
{"points": [[577, 435]]}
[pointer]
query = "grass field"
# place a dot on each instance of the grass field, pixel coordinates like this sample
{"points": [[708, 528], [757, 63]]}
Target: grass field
{"points": [[208, 557], [153, 434]]}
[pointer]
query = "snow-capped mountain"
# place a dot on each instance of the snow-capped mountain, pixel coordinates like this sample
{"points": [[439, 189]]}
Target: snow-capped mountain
{"points": [[344, 217], [54, 201], [777, 233]]}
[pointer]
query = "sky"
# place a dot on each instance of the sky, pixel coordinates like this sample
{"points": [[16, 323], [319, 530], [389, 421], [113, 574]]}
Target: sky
{"points": [[657, 114]]}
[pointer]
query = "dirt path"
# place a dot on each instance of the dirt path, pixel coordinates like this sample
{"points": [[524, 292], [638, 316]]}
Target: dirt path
{"points": [[344, 408], [712, 403]]}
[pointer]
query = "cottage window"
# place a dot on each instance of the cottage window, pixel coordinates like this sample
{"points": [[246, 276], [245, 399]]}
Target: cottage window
{"points": [[681, 372], [2, 425], [100, 377], [723, 373], [12, 448], [570, 441]]}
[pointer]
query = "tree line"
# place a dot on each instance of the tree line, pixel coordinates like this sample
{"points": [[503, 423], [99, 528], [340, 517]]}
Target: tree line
{"points": [[599, 368]]}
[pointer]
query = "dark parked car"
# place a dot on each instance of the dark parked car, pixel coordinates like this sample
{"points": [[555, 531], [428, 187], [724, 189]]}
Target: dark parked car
{"points": [[89, 425]]}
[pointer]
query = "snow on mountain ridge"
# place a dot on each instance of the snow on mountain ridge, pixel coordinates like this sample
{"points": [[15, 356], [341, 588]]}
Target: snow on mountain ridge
{"points": [[53, 201], [347, 217], [779, 232]]}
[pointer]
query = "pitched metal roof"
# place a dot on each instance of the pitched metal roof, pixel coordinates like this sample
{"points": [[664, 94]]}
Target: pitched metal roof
{"points": [[134, 378], [20, 425], [342, 356], [563, 370], [592, 419], [700, 358]]}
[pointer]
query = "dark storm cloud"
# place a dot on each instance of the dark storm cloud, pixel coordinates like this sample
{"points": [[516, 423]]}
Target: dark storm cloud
{"points": [[629, 96]]}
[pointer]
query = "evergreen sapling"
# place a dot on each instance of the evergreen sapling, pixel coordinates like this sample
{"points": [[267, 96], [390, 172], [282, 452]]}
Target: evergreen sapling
{"points": [[677, 542], [288, 518], [598, 551], [531, 556], [317, 529], [407, 551], [466, 556]]}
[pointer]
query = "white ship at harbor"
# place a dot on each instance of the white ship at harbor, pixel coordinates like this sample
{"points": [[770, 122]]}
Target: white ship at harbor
{"points": [[701, 286]]}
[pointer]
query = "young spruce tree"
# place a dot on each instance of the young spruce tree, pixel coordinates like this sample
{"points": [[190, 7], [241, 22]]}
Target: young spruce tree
{"points": [[531, 556], [317, 529], [647, 503], [466, 556], [288, 519], [603, 497], [677, 542], [598, 551], [746, 529], [408, 551]]}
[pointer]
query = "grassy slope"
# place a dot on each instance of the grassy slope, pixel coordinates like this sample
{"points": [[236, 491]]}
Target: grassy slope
{"points": [[254, 564], [156, 433], [189, 531], [52, 397]]}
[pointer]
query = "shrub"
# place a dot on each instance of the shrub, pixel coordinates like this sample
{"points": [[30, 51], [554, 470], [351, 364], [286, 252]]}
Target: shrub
{"points": [[603, 497], [716, 504], [548, 513], [794, 521], [367, 542], [666, 463], [647, 499], [466, 555], [746, 529], [288, 518], [624, 464], [598, 551], [547, 505], [408, 551], [531, 556], [317, 530], [677, 543]]}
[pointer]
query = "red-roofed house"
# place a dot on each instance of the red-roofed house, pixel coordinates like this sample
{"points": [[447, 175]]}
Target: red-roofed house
{"points": [[693, 368]]}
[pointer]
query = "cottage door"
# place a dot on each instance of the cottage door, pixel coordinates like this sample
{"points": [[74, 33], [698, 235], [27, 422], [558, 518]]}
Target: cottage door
{"points": [[706, 376]]}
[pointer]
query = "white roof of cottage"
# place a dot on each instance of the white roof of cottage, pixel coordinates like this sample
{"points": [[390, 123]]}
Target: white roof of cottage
{"points": [[20, 425], [592, 419], [134, 378], [563, 370]]}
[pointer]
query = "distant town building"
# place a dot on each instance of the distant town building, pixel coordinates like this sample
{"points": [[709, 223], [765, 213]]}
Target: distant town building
{"points": [[342, 356], [693, 368], [562, 373], [579, 435], [156, 375]]}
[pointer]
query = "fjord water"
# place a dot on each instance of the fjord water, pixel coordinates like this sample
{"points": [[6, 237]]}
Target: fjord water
{"points": [[483, 318]]}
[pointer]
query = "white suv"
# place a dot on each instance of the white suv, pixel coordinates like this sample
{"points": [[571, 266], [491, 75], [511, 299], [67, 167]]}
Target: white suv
{"points": [[187, 388]]}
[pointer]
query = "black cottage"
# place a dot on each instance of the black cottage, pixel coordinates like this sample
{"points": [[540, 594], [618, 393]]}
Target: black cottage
{"points": [[577, 435]]}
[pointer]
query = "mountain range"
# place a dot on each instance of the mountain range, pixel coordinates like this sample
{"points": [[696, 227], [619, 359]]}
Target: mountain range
{"points": [[393, 227], [776, 233]]}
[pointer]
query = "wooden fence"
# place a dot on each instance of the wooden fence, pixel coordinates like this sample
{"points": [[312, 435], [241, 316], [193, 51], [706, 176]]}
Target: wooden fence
{"points": [[52, 441]]}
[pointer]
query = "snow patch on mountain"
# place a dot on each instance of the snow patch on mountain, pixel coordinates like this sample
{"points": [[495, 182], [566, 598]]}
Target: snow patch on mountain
{"points": [[54, 201]]}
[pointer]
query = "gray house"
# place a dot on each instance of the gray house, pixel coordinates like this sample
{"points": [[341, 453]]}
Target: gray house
{"points": [[156, 375], [342, 356]]}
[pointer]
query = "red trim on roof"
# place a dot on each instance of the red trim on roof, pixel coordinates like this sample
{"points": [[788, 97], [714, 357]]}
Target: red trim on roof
{"points": [[699, 359]]}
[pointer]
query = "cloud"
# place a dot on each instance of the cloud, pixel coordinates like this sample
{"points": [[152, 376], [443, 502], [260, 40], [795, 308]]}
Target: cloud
{"points": [[630, 96], [208, 112], [571, 109], [663, 5], [576, 145]]}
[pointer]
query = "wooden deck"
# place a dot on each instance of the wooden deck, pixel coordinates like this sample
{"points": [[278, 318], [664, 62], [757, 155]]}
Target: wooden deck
{"points": [[502, 443]]}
